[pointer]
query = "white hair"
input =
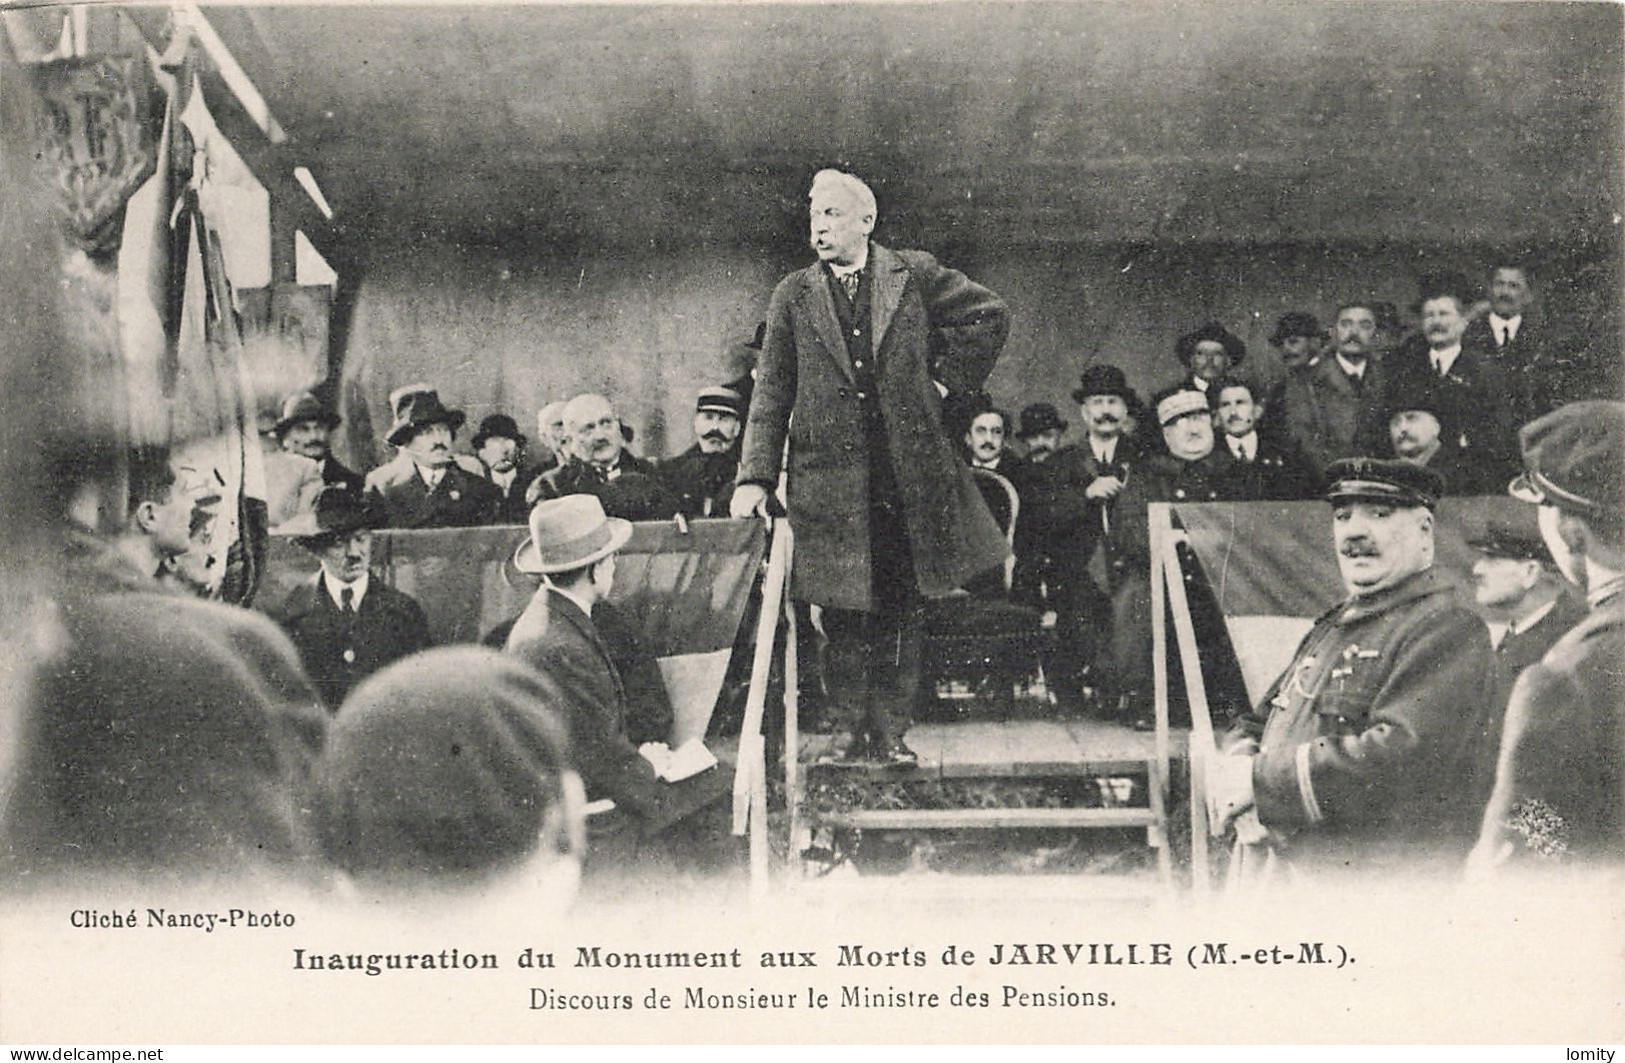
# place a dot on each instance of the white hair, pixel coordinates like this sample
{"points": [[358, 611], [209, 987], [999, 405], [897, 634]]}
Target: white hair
{"points": [[847, 183]]}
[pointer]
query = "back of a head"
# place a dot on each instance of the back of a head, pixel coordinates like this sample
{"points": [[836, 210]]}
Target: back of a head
{"points": [[445, 771]]}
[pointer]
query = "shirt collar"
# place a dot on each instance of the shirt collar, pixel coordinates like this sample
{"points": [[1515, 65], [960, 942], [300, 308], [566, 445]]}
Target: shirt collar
{"points": [[1103, 451], [579, 603], [842, 271], [335, 589], [1522, 624], [430, 477], [1248, 443], [1353, 369], [1444, 358], [1609, 590], [1499, 324], [1199, 383]]}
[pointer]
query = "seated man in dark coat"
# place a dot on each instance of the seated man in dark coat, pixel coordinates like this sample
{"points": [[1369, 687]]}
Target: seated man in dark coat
{"points": [[572, 544], [346, 624], [600, 465], [1415, 425], [431, 490], [1527, 605], [500, 447], [702, 477]]}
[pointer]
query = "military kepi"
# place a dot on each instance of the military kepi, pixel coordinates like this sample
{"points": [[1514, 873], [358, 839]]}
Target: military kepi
{"points": [[1398, 483], [1574, 458], [1502, 539], [720, 400]]}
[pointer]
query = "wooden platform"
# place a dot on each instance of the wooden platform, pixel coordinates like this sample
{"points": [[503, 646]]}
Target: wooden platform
{"points": [[1020, 748]]}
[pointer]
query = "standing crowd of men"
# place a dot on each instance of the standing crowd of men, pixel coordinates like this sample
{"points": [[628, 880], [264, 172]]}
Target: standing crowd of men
{"points": [[1384, 734]]}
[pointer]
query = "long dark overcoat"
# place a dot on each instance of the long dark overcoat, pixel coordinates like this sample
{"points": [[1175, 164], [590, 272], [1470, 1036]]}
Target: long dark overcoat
{"points": [[929, 323]]}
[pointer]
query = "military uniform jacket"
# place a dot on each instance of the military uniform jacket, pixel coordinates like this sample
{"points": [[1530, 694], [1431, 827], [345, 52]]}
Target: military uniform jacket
{"points": [[339, 652], [926, 324], [1375, 742], [461, 499], [1559, 790], [703, 483]]}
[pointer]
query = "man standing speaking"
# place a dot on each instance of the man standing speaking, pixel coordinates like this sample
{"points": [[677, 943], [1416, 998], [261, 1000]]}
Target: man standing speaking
{"points": [[861, 347]]}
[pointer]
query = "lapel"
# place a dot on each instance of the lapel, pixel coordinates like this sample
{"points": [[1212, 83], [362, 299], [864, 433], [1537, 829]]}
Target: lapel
{"points": [[817, 305], [885, 293]]}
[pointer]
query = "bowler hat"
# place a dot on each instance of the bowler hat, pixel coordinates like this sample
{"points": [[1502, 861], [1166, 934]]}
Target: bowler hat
{"points": [[337, 514], [498, 424], [1574, 458], [1040, 417], [1403, 395], [720, 400], [1294, 323], [303, 406], [1442, 284], [1102, 379], [415, 407], [1501, 539], [1389, 480], [569, 533], [1217, 333]]}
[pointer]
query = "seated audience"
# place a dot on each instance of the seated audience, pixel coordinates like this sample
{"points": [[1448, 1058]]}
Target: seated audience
{"points": [[600, 465], [431, 489], [572, 545], [1559, 797], [167, 738], [702, 477], [347, 624], [1416, 435], [500, 446], [306, 428], [449, 773], [1265, 469]]}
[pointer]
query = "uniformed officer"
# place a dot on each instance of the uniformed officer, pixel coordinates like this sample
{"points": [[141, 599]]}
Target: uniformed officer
{"points": [[1372, 748], [702, 476], [1559, 788]]}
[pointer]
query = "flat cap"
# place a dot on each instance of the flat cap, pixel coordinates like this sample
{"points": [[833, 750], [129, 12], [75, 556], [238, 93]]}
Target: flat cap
{"points": [[1501, 539], [1574, 458], [1398, 483]]}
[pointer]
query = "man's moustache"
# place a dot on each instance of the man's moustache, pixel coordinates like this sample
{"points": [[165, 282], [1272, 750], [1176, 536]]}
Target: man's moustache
{"points": [[715, 436], [1356, 549]]}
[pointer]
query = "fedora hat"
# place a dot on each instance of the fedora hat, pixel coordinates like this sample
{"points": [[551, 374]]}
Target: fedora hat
{"points": [[1040, 417], [569, 533], [303, 406], [498, 424], [338, 514], [1215, 332], [1102, 380], [417, 406]]}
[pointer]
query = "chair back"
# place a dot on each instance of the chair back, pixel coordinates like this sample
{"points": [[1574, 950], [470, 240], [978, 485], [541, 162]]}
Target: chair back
{"points": [[1004, 502]]}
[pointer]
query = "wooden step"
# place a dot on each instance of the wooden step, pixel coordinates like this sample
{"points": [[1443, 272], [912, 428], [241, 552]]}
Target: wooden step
{"points": [[997, 818]]}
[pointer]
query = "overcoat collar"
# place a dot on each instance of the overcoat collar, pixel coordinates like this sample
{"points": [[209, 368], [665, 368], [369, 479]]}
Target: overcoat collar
{"points": [[1424, 584], [888, 278]]}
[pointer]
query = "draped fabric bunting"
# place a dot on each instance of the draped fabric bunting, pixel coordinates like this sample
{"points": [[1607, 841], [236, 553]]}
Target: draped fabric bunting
{"points": [[1273, 568], [686, 592]]}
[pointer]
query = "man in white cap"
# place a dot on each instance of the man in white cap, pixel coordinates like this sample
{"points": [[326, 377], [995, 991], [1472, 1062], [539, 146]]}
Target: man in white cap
{"points": [[702, 476], [572, 546]]}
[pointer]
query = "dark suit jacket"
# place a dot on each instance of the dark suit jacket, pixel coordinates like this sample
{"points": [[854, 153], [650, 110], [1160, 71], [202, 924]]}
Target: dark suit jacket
{"points": [[927, 322], [512, 507], [1278, 472], [460, 500], [1327, 417], [556, 638], [636, 493], [1559, 791], [1476, 414], [1517, 652], [703, 483], [1064, 519], [338, 655]]}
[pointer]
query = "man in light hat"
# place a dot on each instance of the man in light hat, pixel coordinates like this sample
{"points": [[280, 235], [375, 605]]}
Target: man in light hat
{"points": [[306, 429], [1559, 794], [346, 624], [1526, 604], [572, 546], [431, 489], [1371, 750], [500, 446], [702, 476]]}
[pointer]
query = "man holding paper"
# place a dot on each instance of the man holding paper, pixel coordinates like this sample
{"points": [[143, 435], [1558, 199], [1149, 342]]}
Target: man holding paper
{"points": [[572, 546]]}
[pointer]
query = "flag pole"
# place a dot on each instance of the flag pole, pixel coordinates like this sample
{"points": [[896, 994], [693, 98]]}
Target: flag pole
{"points": [[1201, 740]]}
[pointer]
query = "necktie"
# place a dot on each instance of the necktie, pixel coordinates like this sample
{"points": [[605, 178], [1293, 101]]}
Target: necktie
{"points": [[1506, 335], [849, 281], [1241, 451], [347, 601]]}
